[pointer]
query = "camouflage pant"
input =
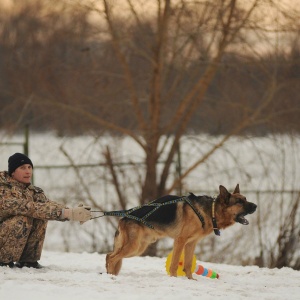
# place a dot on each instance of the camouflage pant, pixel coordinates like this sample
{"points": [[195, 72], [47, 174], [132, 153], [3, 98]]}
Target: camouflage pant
{"points": [[21, 239]]}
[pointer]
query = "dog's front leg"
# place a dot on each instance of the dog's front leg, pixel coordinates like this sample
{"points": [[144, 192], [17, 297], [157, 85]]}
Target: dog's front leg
{"points": [[188, 259], [177, 250]]}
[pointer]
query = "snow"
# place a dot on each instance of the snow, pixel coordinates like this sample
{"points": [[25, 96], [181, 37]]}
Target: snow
{"points": [[78, 276]]}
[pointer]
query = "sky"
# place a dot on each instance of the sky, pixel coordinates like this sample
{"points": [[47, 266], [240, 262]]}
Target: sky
{"points": [[78, 276]]}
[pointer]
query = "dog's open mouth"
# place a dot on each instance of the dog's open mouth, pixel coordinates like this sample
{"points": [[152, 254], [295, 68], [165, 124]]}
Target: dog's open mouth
{"points": [[241, 219]]}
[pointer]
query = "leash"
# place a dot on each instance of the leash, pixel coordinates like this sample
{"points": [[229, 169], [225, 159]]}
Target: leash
{"points": [[127, 213], [122, 214]]}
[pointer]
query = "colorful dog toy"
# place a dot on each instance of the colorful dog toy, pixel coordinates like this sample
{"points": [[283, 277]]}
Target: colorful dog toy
{"points": [[198, 269]]}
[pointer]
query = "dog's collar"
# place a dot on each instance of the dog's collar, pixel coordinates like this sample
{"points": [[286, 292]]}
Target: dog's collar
{"points": [[214, 220]]}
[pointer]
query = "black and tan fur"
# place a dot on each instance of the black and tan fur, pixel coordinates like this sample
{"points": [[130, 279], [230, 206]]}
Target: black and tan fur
{"points": [[180, 222]]}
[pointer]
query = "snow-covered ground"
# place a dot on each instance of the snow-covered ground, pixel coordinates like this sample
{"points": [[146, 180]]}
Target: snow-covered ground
{"points": [[75, 276], [258, 164]]}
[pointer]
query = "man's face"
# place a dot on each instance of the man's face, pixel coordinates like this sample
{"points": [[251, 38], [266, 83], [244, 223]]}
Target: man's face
{"points": [[23, 173]]}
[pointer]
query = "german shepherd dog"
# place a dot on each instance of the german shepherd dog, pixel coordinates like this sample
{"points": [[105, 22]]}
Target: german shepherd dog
{"points": [[185, 222]]}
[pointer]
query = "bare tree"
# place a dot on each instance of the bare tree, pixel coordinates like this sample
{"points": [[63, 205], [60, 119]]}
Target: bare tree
{"points": [[193, 36]]}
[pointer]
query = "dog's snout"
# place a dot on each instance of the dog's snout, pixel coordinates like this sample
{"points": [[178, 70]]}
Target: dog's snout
{"points": [[251, 208]]}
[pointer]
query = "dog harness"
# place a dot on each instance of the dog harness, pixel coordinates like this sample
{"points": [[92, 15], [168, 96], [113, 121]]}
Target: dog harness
{"points": [[127, 213]]}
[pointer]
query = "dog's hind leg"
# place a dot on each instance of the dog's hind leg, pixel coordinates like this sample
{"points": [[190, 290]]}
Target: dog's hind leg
{"points": [[113, 263], [132, 247], [111, 266], [179, 244], [118, 266], [189, 249], [129, 242]]}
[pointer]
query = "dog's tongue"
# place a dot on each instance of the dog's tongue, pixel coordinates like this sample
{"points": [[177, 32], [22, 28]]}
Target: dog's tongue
{"points": [[241, 219]]}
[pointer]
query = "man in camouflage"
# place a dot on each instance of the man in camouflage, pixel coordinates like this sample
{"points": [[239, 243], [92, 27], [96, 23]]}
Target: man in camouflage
{"points": [[24, 213]]}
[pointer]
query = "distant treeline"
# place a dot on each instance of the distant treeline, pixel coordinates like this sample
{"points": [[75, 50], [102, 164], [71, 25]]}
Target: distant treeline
{"points": [[58, 56]]}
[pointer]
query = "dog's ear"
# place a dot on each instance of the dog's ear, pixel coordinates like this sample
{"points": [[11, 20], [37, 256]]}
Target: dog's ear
{"points": [[224, 194], [237, 189]]}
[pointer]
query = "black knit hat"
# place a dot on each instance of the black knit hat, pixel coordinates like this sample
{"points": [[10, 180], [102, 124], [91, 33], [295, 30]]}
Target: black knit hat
{"points": [[17, 160]]}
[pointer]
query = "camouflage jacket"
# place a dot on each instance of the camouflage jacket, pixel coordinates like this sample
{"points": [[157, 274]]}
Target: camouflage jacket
{"points": [[17, 198]]}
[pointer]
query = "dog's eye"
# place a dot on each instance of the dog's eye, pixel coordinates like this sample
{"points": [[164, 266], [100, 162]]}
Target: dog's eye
{"points": [[240, 201]]}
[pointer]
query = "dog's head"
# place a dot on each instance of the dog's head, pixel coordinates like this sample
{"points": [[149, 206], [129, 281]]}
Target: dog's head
{"points": [[236, 204]]}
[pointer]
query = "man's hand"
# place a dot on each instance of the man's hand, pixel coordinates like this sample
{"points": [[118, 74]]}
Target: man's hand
{"points": [[81, 213]]}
